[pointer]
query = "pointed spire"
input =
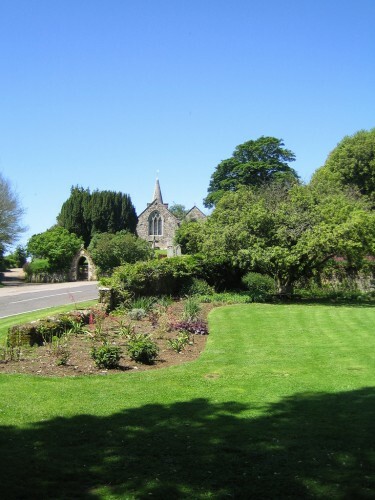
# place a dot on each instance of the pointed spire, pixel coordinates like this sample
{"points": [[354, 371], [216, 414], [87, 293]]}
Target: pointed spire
{"points": [[157, 192]]}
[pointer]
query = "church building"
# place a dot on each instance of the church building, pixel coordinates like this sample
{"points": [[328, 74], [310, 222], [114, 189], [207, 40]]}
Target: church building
{"points": [[157, 225]]}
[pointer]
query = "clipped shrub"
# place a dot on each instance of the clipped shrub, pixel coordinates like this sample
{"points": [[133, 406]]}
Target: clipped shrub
{"points": [[142, 348], [197, 286], [155, 277], [220, 273], [260, 286], [37, 266], [174, 276], [106, 356]]}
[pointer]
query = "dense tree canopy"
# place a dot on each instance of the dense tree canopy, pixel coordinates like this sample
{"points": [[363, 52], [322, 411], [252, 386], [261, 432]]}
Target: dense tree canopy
{"points": [[75, 214], [17, 258], [253, 163], [178, 210], [111, 250], [56, 245], [86, 214], [351, 163], [10, 215], [288, 234], [190, 236]]}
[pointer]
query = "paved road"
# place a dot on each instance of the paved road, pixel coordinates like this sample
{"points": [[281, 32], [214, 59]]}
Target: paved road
{"points": [[26, 298]]}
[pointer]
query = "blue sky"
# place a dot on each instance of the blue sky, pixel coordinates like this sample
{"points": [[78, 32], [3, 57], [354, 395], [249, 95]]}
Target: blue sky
{"points": [[102, 94]]}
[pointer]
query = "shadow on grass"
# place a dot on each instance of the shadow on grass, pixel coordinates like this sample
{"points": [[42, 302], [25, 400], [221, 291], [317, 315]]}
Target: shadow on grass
{"points": [[308, 445]]}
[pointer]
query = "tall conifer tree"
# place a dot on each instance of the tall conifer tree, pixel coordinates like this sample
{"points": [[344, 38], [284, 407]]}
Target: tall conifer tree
{"points": [[86, 214]]}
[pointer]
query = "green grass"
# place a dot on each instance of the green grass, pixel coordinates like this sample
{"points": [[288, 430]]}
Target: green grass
{"points": [[32, 316], [280, 405], [158, 252]]}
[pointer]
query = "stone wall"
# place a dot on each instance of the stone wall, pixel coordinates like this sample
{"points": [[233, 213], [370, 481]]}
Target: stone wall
{"points": [[170, 224], [195, 214]]}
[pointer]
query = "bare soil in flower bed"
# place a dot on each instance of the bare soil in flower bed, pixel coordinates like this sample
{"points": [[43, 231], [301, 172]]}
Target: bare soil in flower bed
{"points": [[43, 360]]}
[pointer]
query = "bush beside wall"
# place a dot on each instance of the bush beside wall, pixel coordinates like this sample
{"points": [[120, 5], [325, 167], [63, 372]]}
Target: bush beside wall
{"points": [[173, 276], [41, 330]]}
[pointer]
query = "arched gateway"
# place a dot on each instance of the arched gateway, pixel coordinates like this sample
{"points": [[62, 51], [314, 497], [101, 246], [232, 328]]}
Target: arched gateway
{"points": [[82, 268]]}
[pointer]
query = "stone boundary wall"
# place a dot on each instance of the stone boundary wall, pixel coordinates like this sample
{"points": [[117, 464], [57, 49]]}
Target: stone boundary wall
{"points": [[48, 278]]}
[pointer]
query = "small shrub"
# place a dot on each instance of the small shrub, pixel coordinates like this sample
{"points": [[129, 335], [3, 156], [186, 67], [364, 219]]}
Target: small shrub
{"points": [[163, 302], [179, 343], [152, 278], [191, 309], [137, 314], [195, 327], [59, 348], [159, 310], [260, 286], [37, 266], [153, 317], [75, 328], [197, 286], [3, 353], [126, 330], [164, 325], [106, 356], [142, 348], [12, 351], [145, 303]]}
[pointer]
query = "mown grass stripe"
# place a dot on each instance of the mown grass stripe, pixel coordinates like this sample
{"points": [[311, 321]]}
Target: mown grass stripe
{"points": [[280, 405]]}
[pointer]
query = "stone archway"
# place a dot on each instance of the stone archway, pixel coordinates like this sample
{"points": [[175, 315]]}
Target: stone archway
{"points": [[82, 268]]}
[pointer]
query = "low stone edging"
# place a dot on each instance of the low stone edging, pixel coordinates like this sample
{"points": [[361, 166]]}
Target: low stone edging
{"points": [[37, 332]]}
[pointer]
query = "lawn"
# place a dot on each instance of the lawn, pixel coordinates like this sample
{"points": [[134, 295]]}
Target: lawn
{"points": [[280, 405]]}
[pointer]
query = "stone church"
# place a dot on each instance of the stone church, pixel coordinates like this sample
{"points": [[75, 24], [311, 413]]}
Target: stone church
{"points": [[157, 225]]}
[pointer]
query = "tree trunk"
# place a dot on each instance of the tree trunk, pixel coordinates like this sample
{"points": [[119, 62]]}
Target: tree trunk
{"points": [[285, 287]]}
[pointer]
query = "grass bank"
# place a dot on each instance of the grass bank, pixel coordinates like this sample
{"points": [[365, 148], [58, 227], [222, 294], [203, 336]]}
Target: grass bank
{"points": [[280, 405], [5, 323]]}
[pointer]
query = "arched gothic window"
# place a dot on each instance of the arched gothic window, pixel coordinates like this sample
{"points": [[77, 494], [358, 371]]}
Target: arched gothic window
{"points": [[155, 224]]}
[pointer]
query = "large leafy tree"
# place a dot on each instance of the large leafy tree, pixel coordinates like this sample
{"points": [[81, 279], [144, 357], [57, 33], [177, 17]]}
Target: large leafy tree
{"points": [[190, 236], [56, 245], [17, 258], [111, 250], [289, 234], [253, 163], [86, 214], [178, 210], [10, 215], [351, 163]]}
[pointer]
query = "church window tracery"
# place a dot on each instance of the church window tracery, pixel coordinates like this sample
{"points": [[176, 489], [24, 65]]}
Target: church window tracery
{"points": [[155, 224]]}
